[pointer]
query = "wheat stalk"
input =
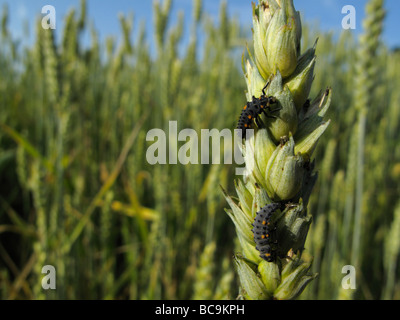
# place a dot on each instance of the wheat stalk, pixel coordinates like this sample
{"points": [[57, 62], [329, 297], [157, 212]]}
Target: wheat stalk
{"points": [[278, 156]]}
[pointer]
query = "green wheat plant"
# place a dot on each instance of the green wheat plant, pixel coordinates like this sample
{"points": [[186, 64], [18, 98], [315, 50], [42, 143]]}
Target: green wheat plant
{"points": [[73, 149], [278, 157]]}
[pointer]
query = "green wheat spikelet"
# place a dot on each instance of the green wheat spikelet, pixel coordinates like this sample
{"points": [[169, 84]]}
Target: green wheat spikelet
{"points": [[278, 157]]}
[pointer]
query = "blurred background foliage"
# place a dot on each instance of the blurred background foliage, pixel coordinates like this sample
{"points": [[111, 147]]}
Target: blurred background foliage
{"points": [[77, 192]]}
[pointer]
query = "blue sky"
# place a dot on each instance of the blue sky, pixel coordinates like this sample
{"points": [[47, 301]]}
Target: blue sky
{"points": [[104, 14]]}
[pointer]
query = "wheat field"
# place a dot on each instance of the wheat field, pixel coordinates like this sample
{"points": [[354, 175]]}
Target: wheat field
{"points": [[78, 193]]}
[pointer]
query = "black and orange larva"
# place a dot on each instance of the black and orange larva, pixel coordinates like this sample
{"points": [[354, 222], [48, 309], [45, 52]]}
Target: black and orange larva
{"points": [[253, 109], [264, 232]]}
